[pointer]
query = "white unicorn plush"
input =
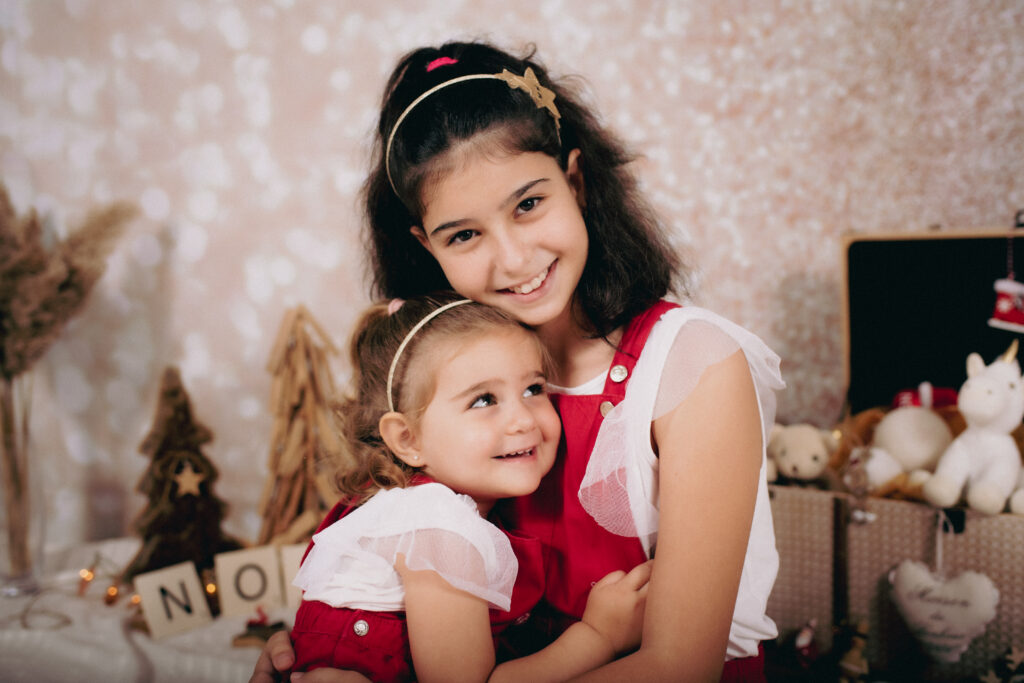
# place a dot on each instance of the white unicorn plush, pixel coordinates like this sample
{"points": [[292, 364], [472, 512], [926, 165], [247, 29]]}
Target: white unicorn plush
{"points": [[1017, 499], [984, 458]]}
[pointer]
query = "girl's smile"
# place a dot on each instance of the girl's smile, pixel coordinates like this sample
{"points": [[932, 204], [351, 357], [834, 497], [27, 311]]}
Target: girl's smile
{"points": [[508, 231], [534, 290], [533, 284]]}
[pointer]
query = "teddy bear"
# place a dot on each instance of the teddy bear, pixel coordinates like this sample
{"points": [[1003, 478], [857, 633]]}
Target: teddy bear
{"points": [[984, 460], [800, 453], [905, 448], [855, 431]]}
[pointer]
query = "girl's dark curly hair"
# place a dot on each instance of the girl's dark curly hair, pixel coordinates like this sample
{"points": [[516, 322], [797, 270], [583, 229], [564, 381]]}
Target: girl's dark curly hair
{"points": [[630, 263]]}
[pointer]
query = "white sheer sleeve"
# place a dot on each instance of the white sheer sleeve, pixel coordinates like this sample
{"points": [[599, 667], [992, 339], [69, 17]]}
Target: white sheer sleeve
{"points": [[352, 561], [620, 487], [697, 346]]}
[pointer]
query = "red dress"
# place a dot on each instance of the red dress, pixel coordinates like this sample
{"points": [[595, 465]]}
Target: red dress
{"points": [[577, 550], [376, 644]]}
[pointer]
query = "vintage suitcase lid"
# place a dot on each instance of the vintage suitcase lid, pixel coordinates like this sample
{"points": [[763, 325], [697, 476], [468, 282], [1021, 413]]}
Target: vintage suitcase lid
{"points": [[916, 304]]}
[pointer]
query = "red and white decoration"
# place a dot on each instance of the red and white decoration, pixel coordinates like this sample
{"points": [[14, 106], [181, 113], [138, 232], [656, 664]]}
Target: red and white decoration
{"points": [[1009, 310]]}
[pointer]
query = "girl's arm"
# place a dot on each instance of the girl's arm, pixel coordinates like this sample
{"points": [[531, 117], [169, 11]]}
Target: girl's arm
{"points": [[612, 623], [450, 634], [709, 450], [449, 629]]}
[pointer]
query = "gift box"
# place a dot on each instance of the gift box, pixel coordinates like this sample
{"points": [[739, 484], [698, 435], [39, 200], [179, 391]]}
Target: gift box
{"points": [[992, 545], [804, 532], [837, 571]]}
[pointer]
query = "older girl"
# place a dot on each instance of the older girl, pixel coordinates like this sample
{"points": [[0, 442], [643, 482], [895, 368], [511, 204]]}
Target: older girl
{"points": [[498, 182]]}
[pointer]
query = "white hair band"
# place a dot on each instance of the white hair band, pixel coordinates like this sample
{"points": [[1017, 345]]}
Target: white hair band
{"points": [[408, 337]]}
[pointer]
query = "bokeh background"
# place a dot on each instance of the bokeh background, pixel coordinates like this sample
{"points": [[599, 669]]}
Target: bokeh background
{"points": [[241, 129]]}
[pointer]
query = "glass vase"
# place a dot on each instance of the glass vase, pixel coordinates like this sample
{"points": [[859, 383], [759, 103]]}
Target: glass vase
{"points": [[22, 505]]}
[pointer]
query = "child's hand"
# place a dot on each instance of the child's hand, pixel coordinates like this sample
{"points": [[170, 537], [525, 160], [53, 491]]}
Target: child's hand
{"points": [[615, 607]]}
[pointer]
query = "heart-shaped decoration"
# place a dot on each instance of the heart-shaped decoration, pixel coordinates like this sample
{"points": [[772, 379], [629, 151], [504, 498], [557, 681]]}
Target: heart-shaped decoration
{"points": [[945, 615]]}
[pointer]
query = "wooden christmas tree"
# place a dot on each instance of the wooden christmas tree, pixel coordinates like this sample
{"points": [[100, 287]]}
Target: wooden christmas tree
{"points": [[182, 520], [305, 450]]}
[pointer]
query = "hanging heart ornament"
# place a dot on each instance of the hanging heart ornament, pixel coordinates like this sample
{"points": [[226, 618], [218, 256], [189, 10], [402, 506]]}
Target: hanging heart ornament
{"points": [[945, 615]]}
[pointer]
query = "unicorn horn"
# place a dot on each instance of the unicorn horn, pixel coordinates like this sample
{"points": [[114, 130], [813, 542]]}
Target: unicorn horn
{"points": [[1010, 354]]}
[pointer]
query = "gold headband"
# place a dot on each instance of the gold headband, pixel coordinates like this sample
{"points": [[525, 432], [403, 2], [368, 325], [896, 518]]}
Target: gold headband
{"points": [[543, 97], [408, 337]]}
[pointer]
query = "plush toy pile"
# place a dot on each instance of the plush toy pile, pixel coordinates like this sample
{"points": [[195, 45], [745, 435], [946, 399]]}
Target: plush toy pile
{"points": [[966, 450]]}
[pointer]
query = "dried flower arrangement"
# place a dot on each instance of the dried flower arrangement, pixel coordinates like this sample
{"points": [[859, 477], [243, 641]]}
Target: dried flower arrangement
{"points": [[41, 288]]}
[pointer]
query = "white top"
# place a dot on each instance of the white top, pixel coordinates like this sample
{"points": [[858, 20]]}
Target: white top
{"points": [[352, 561], [620, 488]]}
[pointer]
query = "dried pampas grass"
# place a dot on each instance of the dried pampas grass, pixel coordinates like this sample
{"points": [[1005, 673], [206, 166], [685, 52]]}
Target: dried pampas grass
{"points": [[41, 288]]}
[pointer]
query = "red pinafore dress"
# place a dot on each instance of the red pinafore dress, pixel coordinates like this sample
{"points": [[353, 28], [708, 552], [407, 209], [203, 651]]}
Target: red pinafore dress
{"points": [[577, 550], [376, 644]]}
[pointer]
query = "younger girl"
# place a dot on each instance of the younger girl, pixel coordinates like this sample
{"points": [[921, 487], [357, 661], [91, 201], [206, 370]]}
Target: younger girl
{"points": [[448, 414]]}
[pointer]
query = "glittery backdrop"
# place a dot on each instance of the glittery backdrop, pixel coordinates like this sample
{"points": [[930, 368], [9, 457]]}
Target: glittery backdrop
{"points": [[241, 129]]}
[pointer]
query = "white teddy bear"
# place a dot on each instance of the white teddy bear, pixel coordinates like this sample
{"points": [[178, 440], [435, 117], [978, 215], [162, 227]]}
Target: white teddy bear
{"points": [[908, 441], [984, 459]]}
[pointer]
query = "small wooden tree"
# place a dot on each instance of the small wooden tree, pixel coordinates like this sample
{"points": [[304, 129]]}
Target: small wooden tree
{"points": [[182, 520], [304, 445]]}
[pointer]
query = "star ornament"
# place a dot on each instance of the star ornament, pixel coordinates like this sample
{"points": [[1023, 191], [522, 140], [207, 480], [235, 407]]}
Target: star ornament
{"points": [[188, 480], [543, 97]]}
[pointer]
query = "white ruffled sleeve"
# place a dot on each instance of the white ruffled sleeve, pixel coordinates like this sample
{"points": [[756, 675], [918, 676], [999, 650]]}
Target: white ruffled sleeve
{"points": [[620, 487], [352, 561]]}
